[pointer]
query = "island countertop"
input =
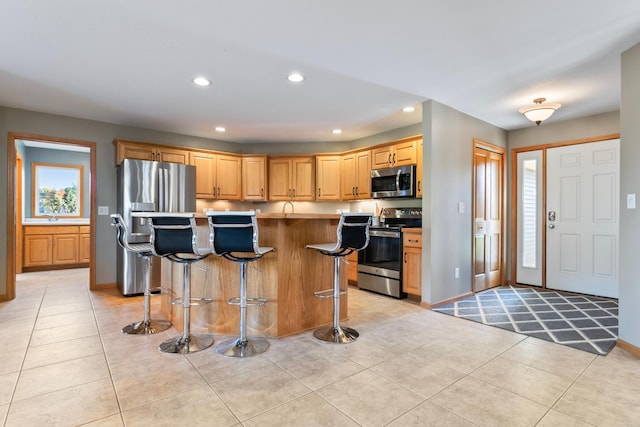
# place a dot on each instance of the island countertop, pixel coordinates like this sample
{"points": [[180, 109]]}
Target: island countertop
{"points": [[287, 277]]}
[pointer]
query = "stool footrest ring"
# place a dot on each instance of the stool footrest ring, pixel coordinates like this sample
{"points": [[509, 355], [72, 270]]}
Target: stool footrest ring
{"points": [[250, 301], [193, 301], [327, 293]]}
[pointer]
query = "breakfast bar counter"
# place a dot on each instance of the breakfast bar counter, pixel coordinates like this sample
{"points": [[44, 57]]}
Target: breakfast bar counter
{"points": [[287, 277]]}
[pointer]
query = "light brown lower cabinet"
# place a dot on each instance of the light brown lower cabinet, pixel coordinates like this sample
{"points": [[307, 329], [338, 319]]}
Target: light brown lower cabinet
{"points": [[56, 245], [412, 259], [352, 270]]}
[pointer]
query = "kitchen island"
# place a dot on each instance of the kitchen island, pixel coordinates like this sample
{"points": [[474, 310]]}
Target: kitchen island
{"points": [[287, 277]]}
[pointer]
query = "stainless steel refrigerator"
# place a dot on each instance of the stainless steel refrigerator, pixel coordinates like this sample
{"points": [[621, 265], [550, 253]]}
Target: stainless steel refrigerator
{"points": [[145, 186]]}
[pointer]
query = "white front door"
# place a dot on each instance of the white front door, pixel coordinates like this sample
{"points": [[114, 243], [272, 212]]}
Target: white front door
{"points": [[582, 218]]}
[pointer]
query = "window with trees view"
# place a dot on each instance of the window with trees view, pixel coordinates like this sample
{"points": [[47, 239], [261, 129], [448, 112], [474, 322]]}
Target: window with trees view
{"points": [[56, 190]]}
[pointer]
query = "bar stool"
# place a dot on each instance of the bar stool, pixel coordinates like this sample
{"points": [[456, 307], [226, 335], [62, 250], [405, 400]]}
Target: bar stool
{"points": [[143, 250], [234, 236], [353, 235], [174, 236]]}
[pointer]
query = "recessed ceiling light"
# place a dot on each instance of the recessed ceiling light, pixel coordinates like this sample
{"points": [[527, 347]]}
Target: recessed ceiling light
{"points": [[201, 81], [409, 109], [337, 131], [295, 77], [220, 129]]}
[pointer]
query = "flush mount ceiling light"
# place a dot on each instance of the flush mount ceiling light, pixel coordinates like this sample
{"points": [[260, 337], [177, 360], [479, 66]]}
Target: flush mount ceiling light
{"points": [[295, 77], [220, 129], [539, 111], [201, 81], [409, 109], [337, 131]]}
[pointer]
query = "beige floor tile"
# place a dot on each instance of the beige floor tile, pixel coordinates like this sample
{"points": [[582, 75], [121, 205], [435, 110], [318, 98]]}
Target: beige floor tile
{"points": [[71, 406], [119, 347], [64, 319], [63, 333], [558, 419], [65, 308], [11, 361], [257, 391], [62, 351], [540, 386], [197, 407], [111, 421], [487, 405], [4, 409], [418, 373], [214, 367], [366, 351], [7, 386], [309, 410], [456, 355], [602, 402], [293, 346], [370, 399], [319, 368], [49, 378], [550, 357], [139, 383], [430, 415]]}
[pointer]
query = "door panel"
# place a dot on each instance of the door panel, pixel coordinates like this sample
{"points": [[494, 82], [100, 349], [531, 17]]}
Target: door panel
{"points": [[582, 218], [530, 219]]}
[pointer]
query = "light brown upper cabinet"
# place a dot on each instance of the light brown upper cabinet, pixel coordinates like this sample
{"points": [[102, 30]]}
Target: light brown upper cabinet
{"points": [[327, 177], [217, 176], [145, 151], [398, 154], [254, 178], [356, 175], [419, 183], [292, 178]]}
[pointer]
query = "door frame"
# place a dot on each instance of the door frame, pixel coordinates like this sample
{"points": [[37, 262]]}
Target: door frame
{"points": [[11, 205], [478, 143], [514, 198]]}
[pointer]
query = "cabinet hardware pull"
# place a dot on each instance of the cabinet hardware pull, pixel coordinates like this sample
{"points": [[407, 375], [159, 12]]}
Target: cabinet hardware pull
{"points": [[394, 158], [318, 191], [389, 161], [262, 192], [357, 190], [405, 257], [218, 191], [414, 241], [353, 191], [419, 185]]}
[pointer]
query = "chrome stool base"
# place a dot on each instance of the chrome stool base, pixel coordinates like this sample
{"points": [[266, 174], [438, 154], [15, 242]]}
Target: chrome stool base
{"points": [[146, 328], [336, 335], [237, 348], [186, 345]]}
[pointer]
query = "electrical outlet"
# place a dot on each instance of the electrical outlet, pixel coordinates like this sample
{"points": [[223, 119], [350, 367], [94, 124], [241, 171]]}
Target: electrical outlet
{"points": [[456, 273], [103, 210], [631, 201]]}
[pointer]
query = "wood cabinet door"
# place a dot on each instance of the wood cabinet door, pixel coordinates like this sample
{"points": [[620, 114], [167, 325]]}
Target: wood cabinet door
{"points": [[381, 157], [404, 153], [37, 250], [228, 178], [205, 164], [363, 174], [328, 177], [352, 270], [84, 254], [65, 249], [419, 183], [348, 176], [303, 178], [172, 155], [254, 178], [280, 179], [131, 150], [412, 271]]}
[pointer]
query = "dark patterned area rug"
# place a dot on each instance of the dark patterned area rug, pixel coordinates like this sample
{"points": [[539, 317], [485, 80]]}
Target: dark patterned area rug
{"points": [[583, 322]]}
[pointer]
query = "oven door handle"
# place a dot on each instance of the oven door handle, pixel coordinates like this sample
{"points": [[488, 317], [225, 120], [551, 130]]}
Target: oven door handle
{"points": [[383, 233]]}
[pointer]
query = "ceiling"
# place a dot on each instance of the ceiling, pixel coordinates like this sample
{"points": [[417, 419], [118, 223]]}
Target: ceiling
{"points": [[133, 62]]}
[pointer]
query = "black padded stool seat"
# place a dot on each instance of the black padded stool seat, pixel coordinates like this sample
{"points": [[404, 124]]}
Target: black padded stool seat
{"points": [[234, 236], [174, 236], [143, 250], [353, 235]]}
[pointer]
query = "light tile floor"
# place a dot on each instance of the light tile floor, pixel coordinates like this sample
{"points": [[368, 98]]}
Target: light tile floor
{"points": [[66, 363]]}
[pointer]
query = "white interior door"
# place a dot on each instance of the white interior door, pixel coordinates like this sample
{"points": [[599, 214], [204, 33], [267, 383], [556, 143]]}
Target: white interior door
{"points": [[530, 218], [582, 218]]}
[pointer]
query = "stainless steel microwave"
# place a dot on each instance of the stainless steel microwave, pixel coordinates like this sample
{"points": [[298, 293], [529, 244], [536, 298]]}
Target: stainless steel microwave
{"points": [[393, 182]]}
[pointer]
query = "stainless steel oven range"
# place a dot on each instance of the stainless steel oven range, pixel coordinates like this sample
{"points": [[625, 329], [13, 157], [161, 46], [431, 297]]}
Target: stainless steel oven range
{"points": [[380, 263]]}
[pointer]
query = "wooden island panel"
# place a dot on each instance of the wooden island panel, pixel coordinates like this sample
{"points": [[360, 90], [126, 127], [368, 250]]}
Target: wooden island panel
{"points": [[287, 277]]}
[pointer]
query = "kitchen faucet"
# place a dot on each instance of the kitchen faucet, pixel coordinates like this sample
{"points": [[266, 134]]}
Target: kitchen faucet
{"points": [[289, 202]]}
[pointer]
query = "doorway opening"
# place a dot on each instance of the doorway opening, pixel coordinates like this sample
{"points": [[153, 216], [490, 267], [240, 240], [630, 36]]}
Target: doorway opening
{"points": [[17, 208]]}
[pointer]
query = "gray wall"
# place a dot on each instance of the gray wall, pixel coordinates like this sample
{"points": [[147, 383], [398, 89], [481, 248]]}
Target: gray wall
{"points": [[43, 155], [448, 164], [629, 297]]}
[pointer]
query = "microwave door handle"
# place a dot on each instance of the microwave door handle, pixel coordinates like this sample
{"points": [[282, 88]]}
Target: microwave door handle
{"points": [[398, 181]]}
